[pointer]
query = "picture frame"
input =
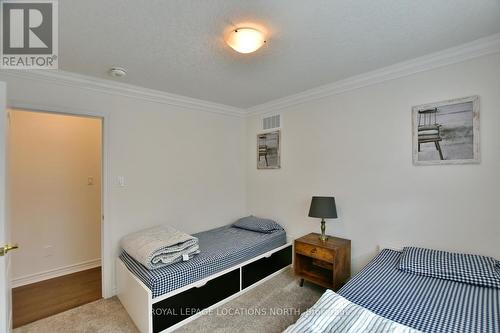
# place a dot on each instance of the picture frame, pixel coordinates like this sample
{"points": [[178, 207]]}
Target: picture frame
{"points": [[446, 132], [269, 150]]}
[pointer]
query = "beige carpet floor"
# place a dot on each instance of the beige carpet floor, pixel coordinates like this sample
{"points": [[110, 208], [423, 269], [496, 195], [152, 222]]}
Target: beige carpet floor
{"points": [[268, 308]]}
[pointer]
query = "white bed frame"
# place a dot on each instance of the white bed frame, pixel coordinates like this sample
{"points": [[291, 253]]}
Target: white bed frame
{"points": [[138, 301]]}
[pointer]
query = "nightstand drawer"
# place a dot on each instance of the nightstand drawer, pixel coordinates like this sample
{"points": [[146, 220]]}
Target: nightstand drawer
{"points": [[314, 252]]}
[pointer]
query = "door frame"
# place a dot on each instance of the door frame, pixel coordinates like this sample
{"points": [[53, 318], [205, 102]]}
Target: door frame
{"points": [[106, 251], [5, 295]]}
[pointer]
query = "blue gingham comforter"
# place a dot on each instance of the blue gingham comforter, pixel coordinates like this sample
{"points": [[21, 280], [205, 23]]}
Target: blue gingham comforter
{"points": [[428, 304]]}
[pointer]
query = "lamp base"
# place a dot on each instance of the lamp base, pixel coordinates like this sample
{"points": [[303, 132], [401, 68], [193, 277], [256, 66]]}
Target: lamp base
{"points": [[323, 237]]}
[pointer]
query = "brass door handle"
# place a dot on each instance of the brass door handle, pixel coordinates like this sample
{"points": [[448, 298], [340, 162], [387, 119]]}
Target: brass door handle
{"points": [[7, 248]]}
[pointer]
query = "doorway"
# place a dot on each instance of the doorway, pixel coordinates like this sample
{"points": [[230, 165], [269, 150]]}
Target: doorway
{"points": [[54, 186]]}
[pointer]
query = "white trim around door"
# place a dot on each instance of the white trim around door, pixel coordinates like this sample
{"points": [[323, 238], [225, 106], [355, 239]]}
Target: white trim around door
{"points": [[107, 261]]}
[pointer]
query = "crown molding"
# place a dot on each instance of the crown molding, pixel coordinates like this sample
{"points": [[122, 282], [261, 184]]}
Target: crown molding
{"points": [[70, 79], [477, 48]]}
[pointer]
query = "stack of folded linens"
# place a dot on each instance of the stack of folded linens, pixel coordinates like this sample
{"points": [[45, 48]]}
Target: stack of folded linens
{"points": [[160, 246]]}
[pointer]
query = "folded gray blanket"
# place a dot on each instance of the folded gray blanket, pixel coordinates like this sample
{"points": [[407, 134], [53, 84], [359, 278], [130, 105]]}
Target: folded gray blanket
{"points": [[160, 246]]}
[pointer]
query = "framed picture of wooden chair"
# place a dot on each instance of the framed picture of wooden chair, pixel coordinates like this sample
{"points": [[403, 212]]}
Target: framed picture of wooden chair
{"points": [[268, 150], [446, 132]]}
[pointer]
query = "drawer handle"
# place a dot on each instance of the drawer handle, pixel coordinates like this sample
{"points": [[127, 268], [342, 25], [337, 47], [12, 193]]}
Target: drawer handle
{"points": [[313, 251], [201, 284]]}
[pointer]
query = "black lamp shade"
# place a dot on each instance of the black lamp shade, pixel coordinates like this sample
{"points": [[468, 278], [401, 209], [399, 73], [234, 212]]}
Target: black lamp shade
{"points": [[323, 207]]}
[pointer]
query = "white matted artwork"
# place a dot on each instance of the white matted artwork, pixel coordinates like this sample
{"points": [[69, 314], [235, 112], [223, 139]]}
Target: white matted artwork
{"points": [[446, 132], [268, 150]]}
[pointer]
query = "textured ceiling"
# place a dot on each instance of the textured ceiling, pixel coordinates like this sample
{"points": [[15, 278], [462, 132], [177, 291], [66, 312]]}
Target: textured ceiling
{"points": [[177, 46]]}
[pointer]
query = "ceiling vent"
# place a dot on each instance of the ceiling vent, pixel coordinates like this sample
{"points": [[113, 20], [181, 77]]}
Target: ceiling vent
{"points": [[270, 122]]}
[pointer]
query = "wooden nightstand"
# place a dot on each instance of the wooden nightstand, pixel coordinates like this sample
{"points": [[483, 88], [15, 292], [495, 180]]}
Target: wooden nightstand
{"points": [[327, 264]]}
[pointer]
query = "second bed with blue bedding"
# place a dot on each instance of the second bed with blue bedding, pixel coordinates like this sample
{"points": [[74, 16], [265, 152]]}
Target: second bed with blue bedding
{"points": [[221, 248], [428, 304], [424, 303]]}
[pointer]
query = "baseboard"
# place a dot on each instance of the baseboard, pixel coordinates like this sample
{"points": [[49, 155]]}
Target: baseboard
{"points": [[112, 292], [53, 273]]}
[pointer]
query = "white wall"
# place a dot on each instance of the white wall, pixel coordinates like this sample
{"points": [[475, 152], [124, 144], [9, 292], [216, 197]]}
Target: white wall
{"points": [[357, 146], [196, 170], [182, 166], [55, 215]]}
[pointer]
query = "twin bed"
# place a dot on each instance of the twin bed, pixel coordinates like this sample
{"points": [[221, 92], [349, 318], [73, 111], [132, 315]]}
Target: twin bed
{"points": [[379, 298], [231, 261], [423, 303]]}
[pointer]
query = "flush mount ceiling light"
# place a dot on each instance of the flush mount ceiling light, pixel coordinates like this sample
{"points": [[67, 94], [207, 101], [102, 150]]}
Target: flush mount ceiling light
{"points": [[117, 72], [245, 40]]}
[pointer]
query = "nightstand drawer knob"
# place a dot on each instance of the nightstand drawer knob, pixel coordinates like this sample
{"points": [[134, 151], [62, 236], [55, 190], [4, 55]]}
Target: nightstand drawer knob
{"points": [[314, 250]]}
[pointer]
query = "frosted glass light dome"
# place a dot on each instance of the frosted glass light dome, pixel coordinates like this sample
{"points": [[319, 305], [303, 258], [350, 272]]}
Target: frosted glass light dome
{"points": [[245, 40]]}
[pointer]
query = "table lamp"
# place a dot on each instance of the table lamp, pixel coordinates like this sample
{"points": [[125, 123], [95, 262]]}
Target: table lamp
{"points": [[324, 208]]}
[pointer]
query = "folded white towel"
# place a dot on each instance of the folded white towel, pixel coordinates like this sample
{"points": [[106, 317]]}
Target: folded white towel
{"points": [[160, 246]]}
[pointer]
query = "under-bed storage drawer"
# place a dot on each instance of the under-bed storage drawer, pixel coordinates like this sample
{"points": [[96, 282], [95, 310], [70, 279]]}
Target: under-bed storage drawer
{"points": [[261, 268], [174, 309]]}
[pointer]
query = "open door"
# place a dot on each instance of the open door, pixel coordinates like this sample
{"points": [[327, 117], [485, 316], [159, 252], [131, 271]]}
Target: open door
{"points": [[5, 293]]}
